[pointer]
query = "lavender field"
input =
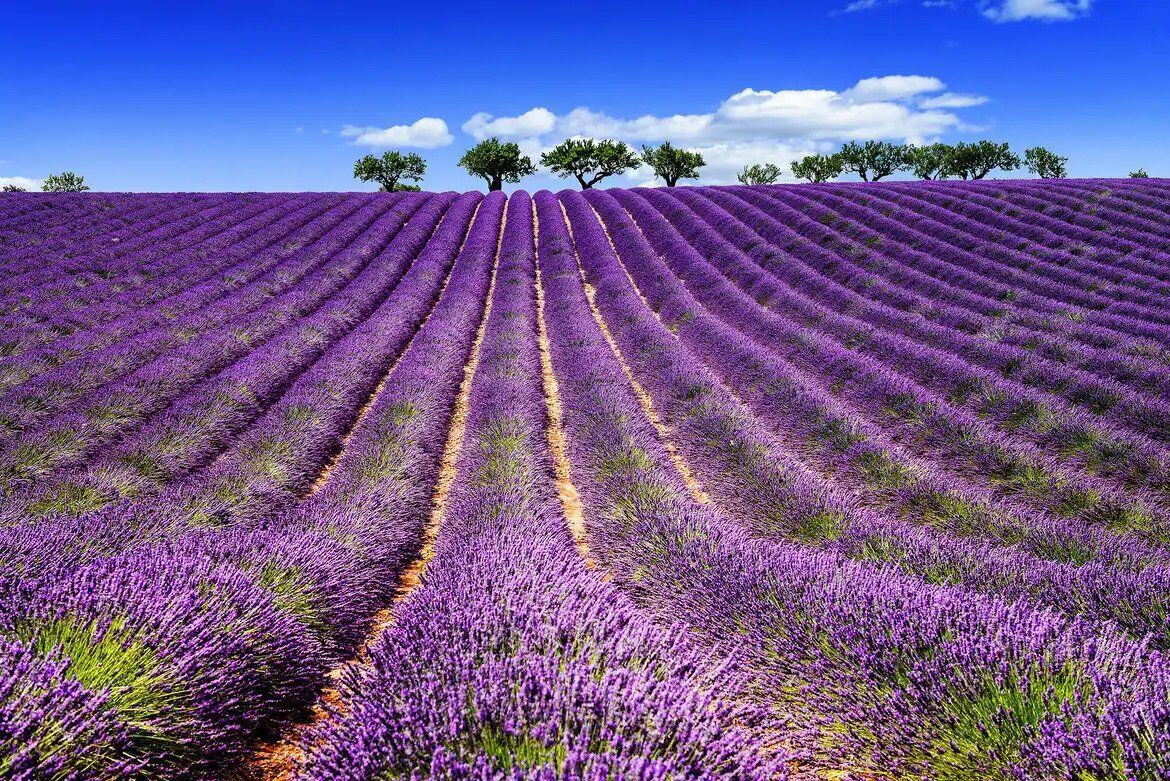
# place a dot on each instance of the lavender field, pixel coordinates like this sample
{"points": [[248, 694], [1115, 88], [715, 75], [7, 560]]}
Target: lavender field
{"points": [[835, 481]]}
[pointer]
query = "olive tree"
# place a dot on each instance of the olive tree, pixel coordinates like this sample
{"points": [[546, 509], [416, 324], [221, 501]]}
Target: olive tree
{"points": [[928, 162], [873, 160], [590, 161], [759, 173], [497, 162], [390, 170], [64, 182], [671, 164], [976, 160], [1045, 163], [818, 168]]}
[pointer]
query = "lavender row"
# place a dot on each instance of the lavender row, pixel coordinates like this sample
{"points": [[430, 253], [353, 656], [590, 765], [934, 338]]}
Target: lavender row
{"points": [[839, 284], [113, 408], [876, 672], [1141, 411], [507, 606], [104, 270], [820, 427], [231, 304], [1093, 440], [58, 247], [738, 466], [1069, 245], [923, 263], [916, 292], [316, 605], [73, 315], [873, 395], [1136, 248], [1035, 261], [90, 344], [201, 421]]}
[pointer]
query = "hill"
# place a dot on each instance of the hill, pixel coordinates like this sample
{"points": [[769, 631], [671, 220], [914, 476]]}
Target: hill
{"points": [[703, 482]]}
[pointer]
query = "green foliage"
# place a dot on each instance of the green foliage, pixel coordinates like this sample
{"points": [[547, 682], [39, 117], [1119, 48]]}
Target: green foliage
{"points": [[590, 161], [976, 160], [671, 164], [111, 658], [928, 162], [390, 169], [497, 163], [873, 160], [64, 182], [818, 168], [1139, 174], [1045, 163], [759, 173], [12, 188]]}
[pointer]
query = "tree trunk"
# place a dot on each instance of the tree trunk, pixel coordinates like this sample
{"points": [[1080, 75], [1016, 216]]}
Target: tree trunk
{"points": [[496, 183]]}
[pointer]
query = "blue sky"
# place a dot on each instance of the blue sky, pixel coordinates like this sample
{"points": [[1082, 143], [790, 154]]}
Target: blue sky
{"points": [[284, 96]]}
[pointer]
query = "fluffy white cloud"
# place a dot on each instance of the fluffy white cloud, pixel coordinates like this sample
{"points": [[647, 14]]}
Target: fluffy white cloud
{"points": [[891, 88], [426, 133], [23, 182], [1047, 10], [755, 125], [530, 124]]}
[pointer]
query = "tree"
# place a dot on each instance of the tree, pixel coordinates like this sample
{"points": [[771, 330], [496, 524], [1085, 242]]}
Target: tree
{"points": [[590, 161], [976, 160], [1139, 174], [873, 160], [759, 173], [671, 164], [497, 163], [1044, 163], [818, 168], [64, 182], [390, 169], [928, 162], [12, 188]]}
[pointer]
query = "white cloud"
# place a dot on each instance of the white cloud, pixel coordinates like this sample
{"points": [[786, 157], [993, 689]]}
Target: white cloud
{"points": [[531, 123], [1046, 10], [892, 88], [426, 133], [952, 100], [24, 182], [755, 125], [865, 5]]}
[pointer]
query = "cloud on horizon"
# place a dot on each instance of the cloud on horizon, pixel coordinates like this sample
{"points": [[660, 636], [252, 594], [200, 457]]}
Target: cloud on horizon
{"points": [[26, 182], [755, 125], [996, 10], [1043, 10], [425, 133]]}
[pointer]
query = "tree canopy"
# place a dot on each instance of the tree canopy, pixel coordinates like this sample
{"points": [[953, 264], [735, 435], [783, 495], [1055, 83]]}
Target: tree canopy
{"points": [[818, 168], [873, 160], [12, 188], [1045, 163], [976, 160], [1139, 174], [64, 182], [590, 161], [391, 169], [928, 162], [497, 163], [671, 164], [759, 173]]}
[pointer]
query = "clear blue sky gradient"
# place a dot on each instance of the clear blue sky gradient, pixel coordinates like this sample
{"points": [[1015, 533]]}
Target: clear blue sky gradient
{"points": [[208, 96]]}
